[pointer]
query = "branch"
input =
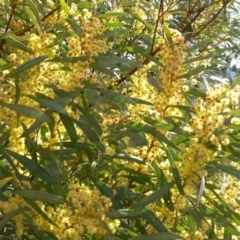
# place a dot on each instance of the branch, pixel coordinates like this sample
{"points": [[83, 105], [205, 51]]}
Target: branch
{"points": [[7, 28], [210, 21], [146, 61], [44, 18], [160, 10], [189, 13]]}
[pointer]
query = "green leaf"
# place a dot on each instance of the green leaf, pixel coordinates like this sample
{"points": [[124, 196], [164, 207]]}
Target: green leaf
{"points": [[113, 62], [158, 236], [92, 122], [137, 139], [157, 124], [17, 90], [209, 212], [128, 158], [37, 20], [113, 14], [53, 169], [106, 191], [32, 128], [161, 138], [4, 220], [75, 26], [197, 45], [168, 36], [65, 7], [115, 24], [154, 221], [28, 111], [193, 71], [33, 19], [91, 135], [12, 41], [36, 231], [24, 67], [5, 181], [228, 169], [174, 157], [69, 60], [231, 113], [53, 105], [77, 145], [56, 177], [33, 167], [34, 205], [124, 213], [69, 126], [153, 197], [41, 196]]}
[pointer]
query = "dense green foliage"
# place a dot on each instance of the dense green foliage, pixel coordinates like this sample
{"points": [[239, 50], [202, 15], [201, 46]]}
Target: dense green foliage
{"points": [[115, 122]]}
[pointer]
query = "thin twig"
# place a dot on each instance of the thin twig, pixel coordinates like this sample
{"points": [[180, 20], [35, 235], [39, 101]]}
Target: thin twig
{"points": [[188, 15], [44, 18], [156, 25], [7, 27], [123, 78], [209, 22]]}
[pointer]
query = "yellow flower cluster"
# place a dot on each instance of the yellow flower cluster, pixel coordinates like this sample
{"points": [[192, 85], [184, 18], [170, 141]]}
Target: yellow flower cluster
{"points": [[87, 216], [171, 57]]}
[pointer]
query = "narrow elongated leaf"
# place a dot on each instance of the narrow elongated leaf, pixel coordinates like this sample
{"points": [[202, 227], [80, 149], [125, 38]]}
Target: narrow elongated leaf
{"points": [[114, 14], [92, 121], [69, 60], [53, 105], [77, 145], [35, 12], [105, 190], [34, 206], [33, 19], [33, 167], [38, 232], [5, 181], [32, 128], [124, 213], [157, 124], [168, 36], [172, 158], [41, 196], [158, 236], [222, 220], [128, 158], [113, 61], [193, 72], [17, 89], [153, 197], [91, 135], [162, 138], [154, 221], [65, 7], [4, 220], [28, 111], [228, 169], [56, 177], [24, 67], [69, 126], [11, 40], [75, 26]]}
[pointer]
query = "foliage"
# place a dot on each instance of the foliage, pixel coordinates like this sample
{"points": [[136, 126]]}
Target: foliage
{"points": [[115, 123]]}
